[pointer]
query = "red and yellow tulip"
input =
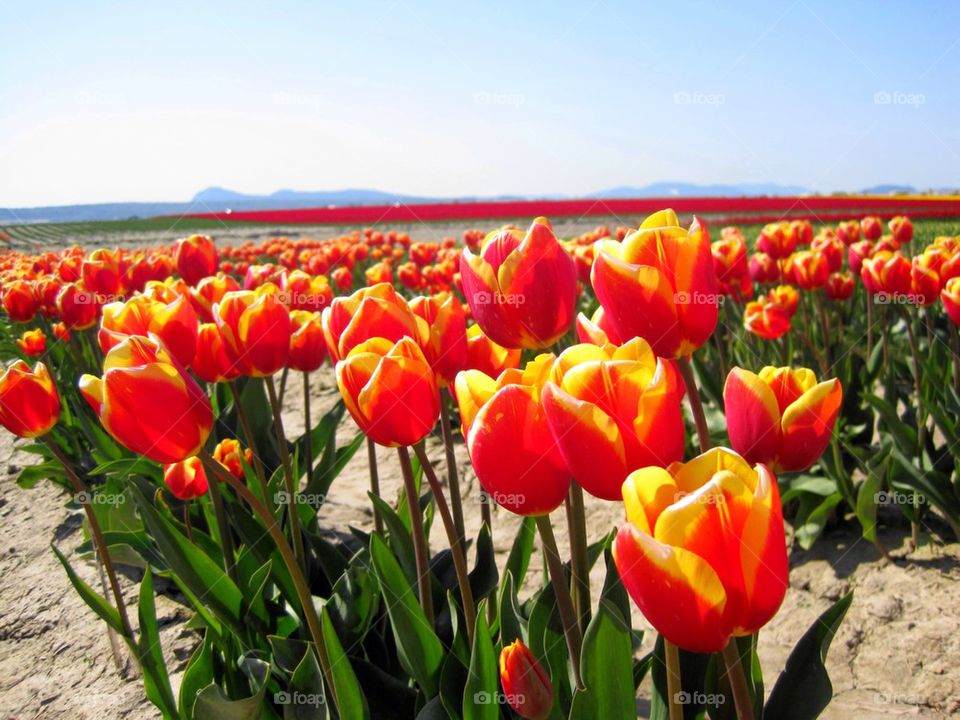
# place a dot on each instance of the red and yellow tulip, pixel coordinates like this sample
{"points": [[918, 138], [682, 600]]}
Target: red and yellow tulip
{"points": [[187, 479], [29, 404], [255, 326], [446, 344], [526, 685]]}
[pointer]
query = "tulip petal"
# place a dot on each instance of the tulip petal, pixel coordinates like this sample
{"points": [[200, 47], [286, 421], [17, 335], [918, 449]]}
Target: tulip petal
{"points": [[807, 425], [753, 416]]}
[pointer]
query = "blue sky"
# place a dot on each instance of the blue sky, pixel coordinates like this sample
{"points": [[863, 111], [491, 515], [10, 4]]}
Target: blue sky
{"points": [[155, 101]]}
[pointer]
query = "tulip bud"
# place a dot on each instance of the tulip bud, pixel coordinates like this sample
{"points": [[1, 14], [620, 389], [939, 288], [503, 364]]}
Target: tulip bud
{"points": [[148, 403], [840, 286], [32, 343], [187, 479], [19, 301], [307, 345], [526, 685], [228, 453], [703, 553], [29, 404], [767, 319]]}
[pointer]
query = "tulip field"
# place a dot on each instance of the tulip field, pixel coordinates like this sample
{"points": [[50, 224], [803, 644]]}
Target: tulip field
{"points": [[734, 396]]}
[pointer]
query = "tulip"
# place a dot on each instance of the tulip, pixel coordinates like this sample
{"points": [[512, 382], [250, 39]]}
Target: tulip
{"points": [[924, 280], [376, 311], [786, 296], [730, 263], [174, 323], [342, 278], [766, 318], [659, 284], [777, 240], [33, 342], [102, 275], [148, 403], [61, 332], [255, 326], [19, 301], [522, 289], [307, 345], [77, 306], [228, 453], [839, 285], [187, 479], [763, 268], [703, 553], [613, 410], [484, 355], [809, 269], [390, 390], [46, 290], [781, 417], [196, 258], [597, 330], [29, 404], [446, 344], [209, 291], [831, 248], [211, 362], [902, 229], [526, 685], [511, 446], [849, 232], [857, 253], [950, 296], [871, 228], [306, 292], [886, 274], [378, 273]]}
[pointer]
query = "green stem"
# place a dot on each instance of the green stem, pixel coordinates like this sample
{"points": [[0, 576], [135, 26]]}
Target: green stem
{"points": [[251, 441], [579, 565], [571, 628], [419, 538], [223, 529], [827, 362], [453, 480], [696, 405], [455, 540], [738, 681], [671, 654], [921, 420], [374, 483], [307, 427], [289, 560], [293, 513]]}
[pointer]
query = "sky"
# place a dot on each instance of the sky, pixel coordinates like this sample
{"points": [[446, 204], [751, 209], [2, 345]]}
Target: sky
{"points": [[138, 101]]}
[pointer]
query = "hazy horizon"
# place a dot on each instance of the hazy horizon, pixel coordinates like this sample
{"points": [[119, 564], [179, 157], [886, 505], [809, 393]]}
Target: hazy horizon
{"points": [[102, 103]]}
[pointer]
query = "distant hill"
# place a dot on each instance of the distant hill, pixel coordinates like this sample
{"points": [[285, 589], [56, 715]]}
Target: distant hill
{"points": [[219, 199]]}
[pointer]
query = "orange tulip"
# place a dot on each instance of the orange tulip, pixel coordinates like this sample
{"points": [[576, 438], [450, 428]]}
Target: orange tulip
{"points": [[101, 273], [597, 330], [485, 355], [809, 269], [228, 453], [77, 306], [659, 284], [781, 417], [924, 280], [831, 248], [512, 449], [61, 332], [766, 318], [196, 258], [19, 301], [786, 296], [840, 285], [211, 362], [390, 390], [29, 404], [730, 263], [255, 326], [306, 292], [526, 685], [950, 296], [307, 346], [522, 289], [209, 291], [777, 240], [148, 403], [343, 278], [174, 323], [613, 410], [446, 345], [33, 342], [902, 229], [703, 553], [886, 274], [187, 479], [376, 311]]}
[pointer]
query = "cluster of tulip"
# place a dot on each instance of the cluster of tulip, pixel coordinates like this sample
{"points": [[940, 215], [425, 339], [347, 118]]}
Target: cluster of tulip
{"points": [[571, 377]]}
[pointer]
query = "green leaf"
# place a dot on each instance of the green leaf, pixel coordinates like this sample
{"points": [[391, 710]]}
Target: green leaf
{"points": [[480, 696], [401, 541], [213, 704], [813, 516], [606, 665], [197, 675], [867, 505], [156, 682], [484, 576], [510, 618], [350, 700], [419, 650], [94, 601], [804, 689], [519, 559]]}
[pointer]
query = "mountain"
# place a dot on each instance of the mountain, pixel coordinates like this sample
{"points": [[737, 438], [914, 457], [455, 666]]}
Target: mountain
{"points": [[888, 190], [681, 189]]}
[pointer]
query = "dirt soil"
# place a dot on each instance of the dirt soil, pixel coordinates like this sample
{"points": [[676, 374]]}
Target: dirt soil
{"points": [[897, 653]]}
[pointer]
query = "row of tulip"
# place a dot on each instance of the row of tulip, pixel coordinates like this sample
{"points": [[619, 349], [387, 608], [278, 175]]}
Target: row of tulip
{"points": [[368, 623]]}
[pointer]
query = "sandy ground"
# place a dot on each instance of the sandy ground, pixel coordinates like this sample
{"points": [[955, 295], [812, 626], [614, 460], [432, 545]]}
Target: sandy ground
{"points": [[897, 653]]}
